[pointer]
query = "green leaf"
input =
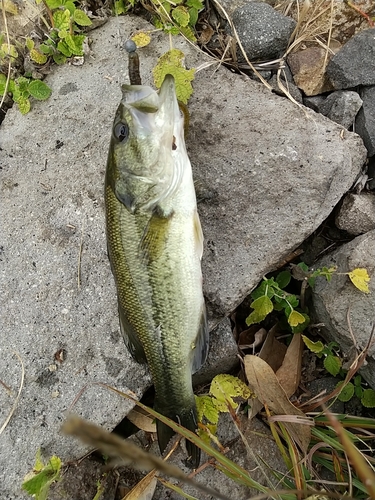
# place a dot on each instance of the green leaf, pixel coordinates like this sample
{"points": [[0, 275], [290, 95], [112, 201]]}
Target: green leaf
{"points": [[301, 326], [3, 81], [315, 347], [54, 4], [46, 49], [75, 44], [188, 33], [63, 34], [38, 484], [172, 63], [61, 19], [181, 15], [357, 380], [8, 50], [70, 6], [39, 90], [267, 287], [262, 307], [283, 279], [195, 4], [368, 398], [206, 408], [193, 14], [120, 7], [358, 391], [225, 387], [59, 58], [29, 43], [81, 18], [64, 49], [347, 391], [23, 104], [295, 318], [332, 364], [311, 282], [38, 57]]}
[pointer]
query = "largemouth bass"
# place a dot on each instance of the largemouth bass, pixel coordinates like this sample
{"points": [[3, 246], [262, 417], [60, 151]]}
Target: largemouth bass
{"points": [[155, 245]]}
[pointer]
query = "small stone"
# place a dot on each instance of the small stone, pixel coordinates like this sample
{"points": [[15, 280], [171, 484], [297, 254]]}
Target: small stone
{"points": [[308, 69], [357, 213], [341, 107], [52, 368], [55, 394], [365, 121], [354, 64], [263, 32]]}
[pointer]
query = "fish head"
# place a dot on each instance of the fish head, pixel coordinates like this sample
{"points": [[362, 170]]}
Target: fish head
{"points": [[143, 152]]}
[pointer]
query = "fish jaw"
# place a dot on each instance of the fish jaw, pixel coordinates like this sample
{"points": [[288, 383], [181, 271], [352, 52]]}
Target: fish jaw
{"points": [[145, 131]]}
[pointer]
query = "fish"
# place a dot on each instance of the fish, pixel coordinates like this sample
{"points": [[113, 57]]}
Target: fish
{"points": [[155, 247]]}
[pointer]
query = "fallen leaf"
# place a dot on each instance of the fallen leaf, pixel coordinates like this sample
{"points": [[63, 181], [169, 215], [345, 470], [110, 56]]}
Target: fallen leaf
{"points": [[144, 490], [263, 382], [141, 39], [142, 419], [360, 279], [289, 373], [273, 351]]}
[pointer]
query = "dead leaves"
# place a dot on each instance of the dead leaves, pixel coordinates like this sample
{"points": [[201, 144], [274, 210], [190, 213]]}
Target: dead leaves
{"points": [[263, 381]]}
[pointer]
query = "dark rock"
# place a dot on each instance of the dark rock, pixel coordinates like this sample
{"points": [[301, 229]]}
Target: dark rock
{"points": [[357, 213], [354, 64], [314, 102], [263, 32], [334, 302], [308, 69], [341, 107], [365, 122], [286, 78]]}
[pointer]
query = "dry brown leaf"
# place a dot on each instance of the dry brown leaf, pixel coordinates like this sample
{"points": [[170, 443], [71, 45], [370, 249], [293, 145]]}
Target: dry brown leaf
{"points": [[273, 351], [264, 383], [289, 374], [144, 490], [142, 419]]}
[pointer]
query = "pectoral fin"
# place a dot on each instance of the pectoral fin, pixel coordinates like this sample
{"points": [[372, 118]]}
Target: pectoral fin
{"points": [[154, 237], [198, 234], [131, 339]]}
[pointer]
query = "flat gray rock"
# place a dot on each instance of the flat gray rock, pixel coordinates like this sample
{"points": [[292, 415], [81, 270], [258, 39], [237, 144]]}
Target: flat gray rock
{"points": [[354, 63], [273, 174], [333, 301]]}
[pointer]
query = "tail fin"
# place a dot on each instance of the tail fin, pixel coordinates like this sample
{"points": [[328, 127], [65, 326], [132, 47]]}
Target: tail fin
{"points": [[188, 419]]}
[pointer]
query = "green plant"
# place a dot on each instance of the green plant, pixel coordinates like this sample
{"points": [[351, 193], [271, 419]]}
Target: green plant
{"points": [[62, 41], [179, 16], [270, 294], [39, 480], [22, 89], [332, 362], [356, 388]]}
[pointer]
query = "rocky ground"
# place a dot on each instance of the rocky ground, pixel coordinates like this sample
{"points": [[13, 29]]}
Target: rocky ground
{"points": [[273, 173]]}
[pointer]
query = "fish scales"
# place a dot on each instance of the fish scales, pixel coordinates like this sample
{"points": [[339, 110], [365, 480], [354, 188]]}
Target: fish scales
{"points": [[155, 247]]}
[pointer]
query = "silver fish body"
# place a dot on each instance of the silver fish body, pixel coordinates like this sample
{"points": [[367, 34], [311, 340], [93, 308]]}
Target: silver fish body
{"points": [[155, 245]]}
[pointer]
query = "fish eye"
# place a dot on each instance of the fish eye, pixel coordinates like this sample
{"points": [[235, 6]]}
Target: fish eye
{"points": [[121, 131]]}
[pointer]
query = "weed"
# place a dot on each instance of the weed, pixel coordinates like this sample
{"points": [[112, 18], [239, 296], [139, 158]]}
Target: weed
{"points": [[22, 89]]}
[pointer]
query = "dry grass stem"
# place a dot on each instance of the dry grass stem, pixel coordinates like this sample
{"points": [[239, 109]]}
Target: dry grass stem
{"points": [[7, 420]]}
